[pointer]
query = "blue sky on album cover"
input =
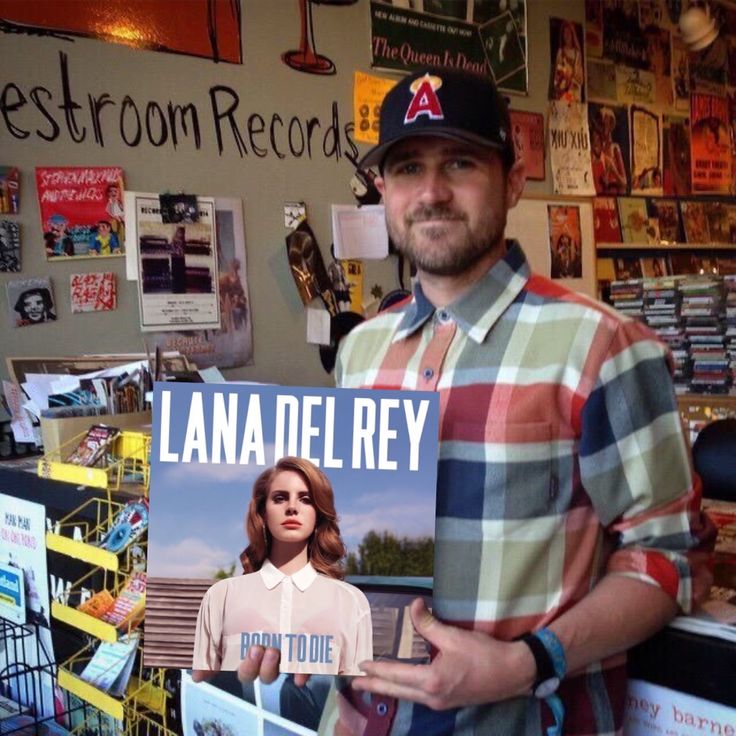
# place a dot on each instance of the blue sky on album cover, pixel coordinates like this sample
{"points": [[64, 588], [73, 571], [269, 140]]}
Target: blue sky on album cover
{"points": [[197, 509]]}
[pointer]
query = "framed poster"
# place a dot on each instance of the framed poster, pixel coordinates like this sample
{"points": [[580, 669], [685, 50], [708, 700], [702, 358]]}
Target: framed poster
{"points": [[528, 222], [178, 285]]}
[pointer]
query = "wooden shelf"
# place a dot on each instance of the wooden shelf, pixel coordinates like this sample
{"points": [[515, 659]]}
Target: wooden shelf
{"points": [[666, 246]]}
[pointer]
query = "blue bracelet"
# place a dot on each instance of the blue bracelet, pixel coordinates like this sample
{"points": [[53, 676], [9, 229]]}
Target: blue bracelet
{"points": [[556, 652]]}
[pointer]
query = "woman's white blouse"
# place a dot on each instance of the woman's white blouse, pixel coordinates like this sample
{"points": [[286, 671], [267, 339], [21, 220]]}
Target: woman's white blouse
{"points": [[321, 625]]}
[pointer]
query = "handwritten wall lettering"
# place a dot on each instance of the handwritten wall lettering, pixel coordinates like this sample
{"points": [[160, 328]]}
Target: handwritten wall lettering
{"points": [[65, 113]]}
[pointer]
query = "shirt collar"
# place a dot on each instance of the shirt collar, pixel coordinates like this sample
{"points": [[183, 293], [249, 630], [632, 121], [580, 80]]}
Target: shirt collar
{"points": [[272, 576], [476, 311]]}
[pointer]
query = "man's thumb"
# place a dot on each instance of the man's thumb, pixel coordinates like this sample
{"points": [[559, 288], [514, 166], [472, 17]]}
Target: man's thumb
{"points": [[426, 625]]}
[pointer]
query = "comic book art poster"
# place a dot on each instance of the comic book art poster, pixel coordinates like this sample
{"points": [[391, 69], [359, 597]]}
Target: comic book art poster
{"points": [[646, 151], [23, 552], [606, 223], [676, 156], [569, 147], [30, 301], [9, 246], [242, 472], [93, 292], [527, 131], [177, 268], [609, 148], [484, 37], [206, 28], [81, 210], [565, 242], [567, 64], [9, 190], [232, 345], [710, 144]]}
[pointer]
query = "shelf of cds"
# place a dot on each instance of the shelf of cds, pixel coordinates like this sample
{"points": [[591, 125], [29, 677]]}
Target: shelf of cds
{"points": [[696, 317]]}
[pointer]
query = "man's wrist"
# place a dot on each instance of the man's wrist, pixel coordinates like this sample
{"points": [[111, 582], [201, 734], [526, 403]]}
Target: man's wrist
{"points": [[524, 665]]}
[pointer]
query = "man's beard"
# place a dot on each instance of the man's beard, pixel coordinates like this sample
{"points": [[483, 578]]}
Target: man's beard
{"points": [[441, 258]]}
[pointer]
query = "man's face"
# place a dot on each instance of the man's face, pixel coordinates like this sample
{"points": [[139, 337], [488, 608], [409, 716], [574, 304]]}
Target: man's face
{"points": [[445, 201], [34, 307], [103, 228]]}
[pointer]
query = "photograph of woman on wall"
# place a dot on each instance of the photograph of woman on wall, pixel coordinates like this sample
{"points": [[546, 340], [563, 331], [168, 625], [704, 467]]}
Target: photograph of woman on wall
{"points": [[292, 596]]}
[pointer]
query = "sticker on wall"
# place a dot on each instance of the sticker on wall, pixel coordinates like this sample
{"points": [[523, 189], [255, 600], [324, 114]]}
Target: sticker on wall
{"points": [[93, 292], [30, 301]]}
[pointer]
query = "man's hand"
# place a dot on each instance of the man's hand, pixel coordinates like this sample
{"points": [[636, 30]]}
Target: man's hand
{"points": [[470, 668], [263, 663]]}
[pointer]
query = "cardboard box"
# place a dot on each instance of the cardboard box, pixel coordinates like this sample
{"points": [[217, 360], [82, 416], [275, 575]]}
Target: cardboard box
{"points": [[55, 432]]}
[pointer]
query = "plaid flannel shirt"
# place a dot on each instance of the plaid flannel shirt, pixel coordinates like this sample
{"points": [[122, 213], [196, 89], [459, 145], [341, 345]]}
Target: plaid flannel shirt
{"points": [[562, 459]]}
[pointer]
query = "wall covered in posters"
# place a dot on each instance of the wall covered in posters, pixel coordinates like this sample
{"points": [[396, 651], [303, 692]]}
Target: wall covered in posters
{"points": [[676, 90], [261, 132]]}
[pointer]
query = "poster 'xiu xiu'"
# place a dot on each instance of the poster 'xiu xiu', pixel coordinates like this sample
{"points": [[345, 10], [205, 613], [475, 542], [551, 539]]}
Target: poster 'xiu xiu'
{"points": [[263, 498]]}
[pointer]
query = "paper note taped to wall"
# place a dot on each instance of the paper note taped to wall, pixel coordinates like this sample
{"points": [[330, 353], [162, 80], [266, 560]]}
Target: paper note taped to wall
{"points": [[359, 232], [368, 94]]}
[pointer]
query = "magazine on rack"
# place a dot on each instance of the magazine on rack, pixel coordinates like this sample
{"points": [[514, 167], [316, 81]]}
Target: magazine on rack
{"points": [[717, 615], [92, 448], [111, 664]]}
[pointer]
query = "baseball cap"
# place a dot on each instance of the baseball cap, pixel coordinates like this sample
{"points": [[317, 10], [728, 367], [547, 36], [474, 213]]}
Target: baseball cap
{"points": [[449, 103]]}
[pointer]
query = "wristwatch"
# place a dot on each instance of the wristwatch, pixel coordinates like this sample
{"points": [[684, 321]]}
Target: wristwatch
{"points": [[549, 656]]}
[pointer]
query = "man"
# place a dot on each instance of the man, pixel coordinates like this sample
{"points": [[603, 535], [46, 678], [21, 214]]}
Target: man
{"points": [[34, 306], [565, 501]]}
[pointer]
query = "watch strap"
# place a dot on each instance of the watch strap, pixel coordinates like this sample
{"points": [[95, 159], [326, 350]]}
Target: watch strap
{"points": [[542, 659], [554, 649]]}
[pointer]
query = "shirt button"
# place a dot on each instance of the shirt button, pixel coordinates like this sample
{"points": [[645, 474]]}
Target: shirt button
{"points": [[443, 316], [427, 373]]}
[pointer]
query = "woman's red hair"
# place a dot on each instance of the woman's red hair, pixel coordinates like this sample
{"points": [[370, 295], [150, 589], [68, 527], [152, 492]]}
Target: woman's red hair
{"points": [[325, 547]]}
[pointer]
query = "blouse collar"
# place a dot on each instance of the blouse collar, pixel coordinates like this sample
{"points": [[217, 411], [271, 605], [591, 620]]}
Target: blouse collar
{"points": [[272, 576]]}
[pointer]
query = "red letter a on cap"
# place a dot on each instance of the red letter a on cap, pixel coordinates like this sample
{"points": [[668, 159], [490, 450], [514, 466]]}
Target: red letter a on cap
{"points": [[424, 102]]}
